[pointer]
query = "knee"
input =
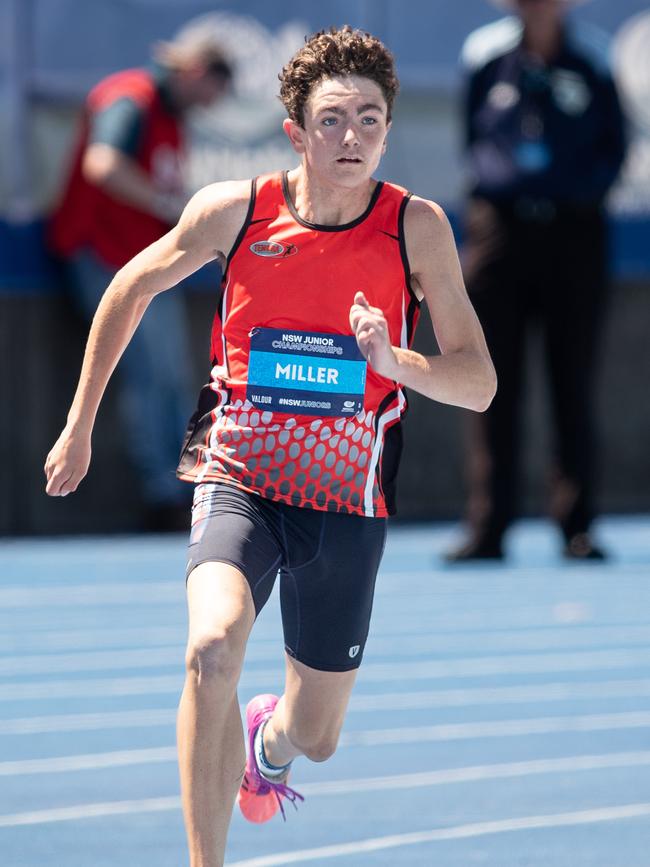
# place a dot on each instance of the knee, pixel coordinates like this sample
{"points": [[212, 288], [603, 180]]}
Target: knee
{"points": [[214, 658], [316, 746]]}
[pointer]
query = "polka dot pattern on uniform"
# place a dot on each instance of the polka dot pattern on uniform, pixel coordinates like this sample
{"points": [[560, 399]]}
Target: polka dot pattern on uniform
{"points": [[314, 463]]}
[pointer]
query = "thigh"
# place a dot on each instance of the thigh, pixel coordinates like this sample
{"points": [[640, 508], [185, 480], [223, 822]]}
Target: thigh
{"points": [[219, 604], [327, 586], [235, 527]]}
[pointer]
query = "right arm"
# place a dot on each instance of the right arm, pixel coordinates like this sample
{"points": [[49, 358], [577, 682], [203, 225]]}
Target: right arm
{"points": [[110, 162], [206, 231], [120, 176]]}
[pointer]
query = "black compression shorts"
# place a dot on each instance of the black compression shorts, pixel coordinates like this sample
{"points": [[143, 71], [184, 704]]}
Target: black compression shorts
{"points": [[327, 561]]}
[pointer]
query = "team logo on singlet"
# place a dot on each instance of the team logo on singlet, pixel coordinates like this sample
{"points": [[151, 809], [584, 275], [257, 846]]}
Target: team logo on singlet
{"points": [[273, 249]]}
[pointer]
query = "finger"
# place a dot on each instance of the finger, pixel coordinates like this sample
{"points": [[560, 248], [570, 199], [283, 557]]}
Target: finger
{"points": [[56, 484], [359, 309], [361, 299], [366, 322], [366, 336], [72, 484], [360, 319]]}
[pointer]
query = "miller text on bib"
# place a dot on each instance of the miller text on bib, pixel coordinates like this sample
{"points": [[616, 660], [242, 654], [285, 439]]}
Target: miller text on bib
{"points": [[305, 372]]}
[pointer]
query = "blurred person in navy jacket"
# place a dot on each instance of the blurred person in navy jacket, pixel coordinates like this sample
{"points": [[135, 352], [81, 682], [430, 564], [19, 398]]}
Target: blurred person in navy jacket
{"points": [[545, 141]]}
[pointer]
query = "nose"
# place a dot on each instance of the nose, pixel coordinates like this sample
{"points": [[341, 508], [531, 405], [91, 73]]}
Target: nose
{"points": [[350, 138]]}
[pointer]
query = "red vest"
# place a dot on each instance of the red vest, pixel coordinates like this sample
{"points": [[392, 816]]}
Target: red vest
{"points": [[289, 280], [87, 216]]}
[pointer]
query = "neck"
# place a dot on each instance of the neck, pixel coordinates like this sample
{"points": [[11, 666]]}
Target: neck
{"points": [[326, 204], [174, 91], [542, 39]]}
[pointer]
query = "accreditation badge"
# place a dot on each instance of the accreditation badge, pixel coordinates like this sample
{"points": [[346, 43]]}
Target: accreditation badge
{"points": [[305, 372]]}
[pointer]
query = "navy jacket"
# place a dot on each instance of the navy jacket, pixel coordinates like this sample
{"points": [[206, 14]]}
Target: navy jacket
{"points": [[553, 131]]}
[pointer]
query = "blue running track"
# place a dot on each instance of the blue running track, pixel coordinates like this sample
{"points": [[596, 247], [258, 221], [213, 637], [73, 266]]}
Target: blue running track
{"points": [[501, 717]]}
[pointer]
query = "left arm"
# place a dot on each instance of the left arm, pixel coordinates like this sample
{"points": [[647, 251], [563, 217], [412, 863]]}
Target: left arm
{"points": [[463, 374], [610, 145]]}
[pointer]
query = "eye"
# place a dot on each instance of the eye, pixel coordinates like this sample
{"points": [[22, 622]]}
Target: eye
{"points": [[369, 121], [329, 121]]}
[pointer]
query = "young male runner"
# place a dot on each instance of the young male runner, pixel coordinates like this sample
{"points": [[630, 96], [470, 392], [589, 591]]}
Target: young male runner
{"points": [[295, 443]]}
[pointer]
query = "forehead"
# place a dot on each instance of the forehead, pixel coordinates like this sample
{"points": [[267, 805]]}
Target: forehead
{"points": [[345, 90]]}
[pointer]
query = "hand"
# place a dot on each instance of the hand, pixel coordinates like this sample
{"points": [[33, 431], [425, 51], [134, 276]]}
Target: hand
{"points": [[371, 330], [67, 463]]}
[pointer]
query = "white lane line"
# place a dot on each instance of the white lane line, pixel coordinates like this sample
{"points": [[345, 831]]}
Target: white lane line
{"points": [[477, 829], [412, 669], [89, 811], [126, 593], [430, 586], [86, 722], [59, 689], [88, 762], [488, 665], [520, 694], [497, 729], [369, 737], [543, 638], [100, 660], [138, 637], [387, 621], [604, 660], [516, 640], [476, 773], [448, 776], [394, 701]]}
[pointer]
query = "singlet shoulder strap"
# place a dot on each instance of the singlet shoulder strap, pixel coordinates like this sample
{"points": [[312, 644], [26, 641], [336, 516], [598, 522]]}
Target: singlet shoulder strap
{"points": [[389, 218], [265, 199], [268, 197], [388, 213]]}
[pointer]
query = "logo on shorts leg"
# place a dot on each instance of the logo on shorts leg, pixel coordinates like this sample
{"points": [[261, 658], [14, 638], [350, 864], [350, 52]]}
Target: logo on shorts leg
{"points": [[354, 650]]}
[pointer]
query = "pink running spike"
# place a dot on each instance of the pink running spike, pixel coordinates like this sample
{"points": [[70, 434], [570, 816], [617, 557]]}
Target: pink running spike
{"points": [[260, 799]]}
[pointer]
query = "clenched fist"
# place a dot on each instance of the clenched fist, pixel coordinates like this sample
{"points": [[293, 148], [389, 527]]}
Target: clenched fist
{"points": [[371, 330], [67, 463]]}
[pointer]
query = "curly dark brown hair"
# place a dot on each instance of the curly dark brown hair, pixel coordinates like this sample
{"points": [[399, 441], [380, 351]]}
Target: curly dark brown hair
{"points": [[338, 51]]}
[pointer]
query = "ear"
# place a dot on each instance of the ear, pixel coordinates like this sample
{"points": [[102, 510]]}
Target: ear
{"points": [[296, 135]]}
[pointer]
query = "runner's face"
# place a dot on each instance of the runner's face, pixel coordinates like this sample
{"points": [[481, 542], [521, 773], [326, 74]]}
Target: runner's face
{"points": [[344, 130]]}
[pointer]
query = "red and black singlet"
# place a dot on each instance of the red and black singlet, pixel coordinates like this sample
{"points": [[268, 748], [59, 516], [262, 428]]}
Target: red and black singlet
{"points": [[281, 338]]}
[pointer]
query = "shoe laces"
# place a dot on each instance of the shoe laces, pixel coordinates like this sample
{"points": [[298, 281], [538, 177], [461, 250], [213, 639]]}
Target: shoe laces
{"points": [[261, 784]]}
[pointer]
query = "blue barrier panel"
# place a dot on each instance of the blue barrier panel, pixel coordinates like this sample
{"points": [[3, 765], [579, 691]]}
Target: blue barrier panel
{"points": [[631, 247], [26, 266]]}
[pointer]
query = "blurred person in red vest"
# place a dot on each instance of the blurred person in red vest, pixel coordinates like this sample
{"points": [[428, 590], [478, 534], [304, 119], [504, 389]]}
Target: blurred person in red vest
{"points": [[545, 141], [125, 191]]}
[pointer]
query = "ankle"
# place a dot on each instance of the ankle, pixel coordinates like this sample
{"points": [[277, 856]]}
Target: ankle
{"points": [[265, 764]]}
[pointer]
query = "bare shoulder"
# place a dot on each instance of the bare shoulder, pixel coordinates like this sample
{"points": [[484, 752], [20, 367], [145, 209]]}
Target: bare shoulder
{"points": [[425, 221], [221, 198], [429, 239], [215, 214]]}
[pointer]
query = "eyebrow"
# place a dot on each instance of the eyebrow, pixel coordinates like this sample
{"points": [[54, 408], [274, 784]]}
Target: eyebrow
{"points": [[367, 106]]}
